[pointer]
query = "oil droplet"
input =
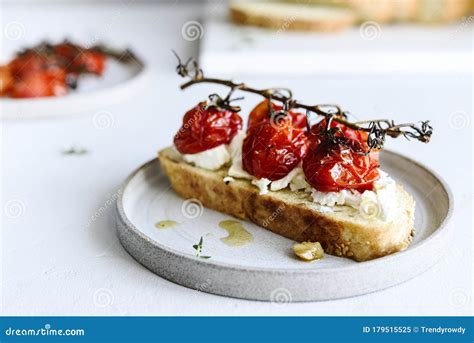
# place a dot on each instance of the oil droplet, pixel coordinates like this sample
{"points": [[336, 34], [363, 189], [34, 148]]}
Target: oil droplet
{"points": [[238, 236], [165, 224]]}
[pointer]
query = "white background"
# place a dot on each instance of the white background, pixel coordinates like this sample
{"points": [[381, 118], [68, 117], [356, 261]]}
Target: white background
{"points": [[57, 260]]}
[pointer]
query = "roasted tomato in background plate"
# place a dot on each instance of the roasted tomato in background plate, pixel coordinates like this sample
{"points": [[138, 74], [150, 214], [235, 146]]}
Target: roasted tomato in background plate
{"points": [[260, 114], [331, 167], [81, 60], [272, 151], [90, 62], [6, 79], [30, 62], [40, 84], [38, 74], [205, 128]]}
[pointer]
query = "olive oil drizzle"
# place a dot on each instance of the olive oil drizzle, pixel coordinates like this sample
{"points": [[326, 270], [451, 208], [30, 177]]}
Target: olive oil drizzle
{"points": [[237, 235], [165, 224]]}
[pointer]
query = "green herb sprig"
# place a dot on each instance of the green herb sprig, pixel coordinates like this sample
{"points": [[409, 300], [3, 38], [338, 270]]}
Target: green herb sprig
{"points": [[198, 248], [75, 151]]}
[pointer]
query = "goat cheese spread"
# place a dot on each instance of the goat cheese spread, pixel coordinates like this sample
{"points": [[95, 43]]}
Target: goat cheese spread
{"points": [[211, 159]]}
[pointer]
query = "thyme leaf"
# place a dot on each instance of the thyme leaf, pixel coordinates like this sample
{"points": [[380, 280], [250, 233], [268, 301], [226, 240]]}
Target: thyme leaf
{"points": [[198, 248], [75, 151]]}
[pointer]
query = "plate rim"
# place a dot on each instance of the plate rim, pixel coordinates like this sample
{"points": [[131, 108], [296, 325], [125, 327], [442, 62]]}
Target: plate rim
{"points": [[441, 230]]}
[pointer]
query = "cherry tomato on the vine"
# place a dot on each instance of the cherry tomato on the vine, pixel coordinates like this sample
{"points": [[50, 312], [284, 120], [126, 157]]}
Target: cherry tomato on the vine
{"points": [[332, 167], [206, 127], [261, 113], [273, 150]]}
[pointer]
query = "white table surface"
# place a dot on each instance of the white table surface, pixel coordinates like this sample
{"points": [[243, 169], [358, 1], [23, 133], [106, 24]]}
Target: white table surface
{"points": [[55, 263]]}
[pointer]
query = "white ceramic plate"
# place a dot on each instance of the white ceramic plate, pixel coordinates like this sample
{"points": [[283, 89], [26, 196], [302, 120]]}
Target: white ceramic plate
{"points": [[265, 268], [120, 80]]}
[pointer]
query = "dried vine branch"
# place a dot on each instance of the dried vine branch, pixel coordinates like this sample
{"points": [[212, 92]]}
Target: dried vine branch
{"points": [[124, 56], [377, 129], [45, 48]]}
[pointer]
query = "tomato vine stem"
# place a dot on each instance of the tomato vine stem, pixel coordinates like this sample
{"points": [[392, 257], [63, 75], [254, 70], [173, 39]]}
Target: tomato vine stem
{"points": [[377, 129]]}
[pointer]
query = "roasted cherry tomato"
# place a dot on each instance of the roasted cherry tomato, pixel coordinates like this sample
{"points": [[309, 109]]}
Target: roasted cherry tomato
{"points": [[38, 75], [80, 60], [89, 61], [353, 135], [272, 151], [31, 62], [40, 84], [332, 167], [206, 127], [6, 79], [260, 113], [48, 70]]}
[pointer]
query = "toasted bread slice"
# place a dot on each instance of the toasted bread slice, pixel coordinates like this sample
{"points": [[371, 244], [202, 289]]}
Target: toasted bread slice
{"points": [[343, 232], [287, 16]]}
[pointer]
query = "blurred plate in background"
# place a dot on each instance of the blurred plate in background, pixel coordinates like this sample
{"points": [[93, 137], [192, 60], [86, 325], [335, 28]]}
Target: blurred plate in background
{"points": [[120, 81]]}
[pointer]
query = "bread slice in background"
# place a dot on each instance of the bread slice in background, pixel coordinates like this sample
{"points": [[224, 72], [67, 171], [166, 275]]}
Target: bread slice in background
{"points": [[442, 11], [335, 15], [381, 11], [292, 214], [384, 11], [281, 16]]}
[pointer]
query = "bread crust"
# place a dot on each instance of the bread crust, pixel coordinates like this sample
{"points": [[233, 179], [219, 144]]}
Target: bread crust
{"points": [[241, 13], [290, 214]]}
